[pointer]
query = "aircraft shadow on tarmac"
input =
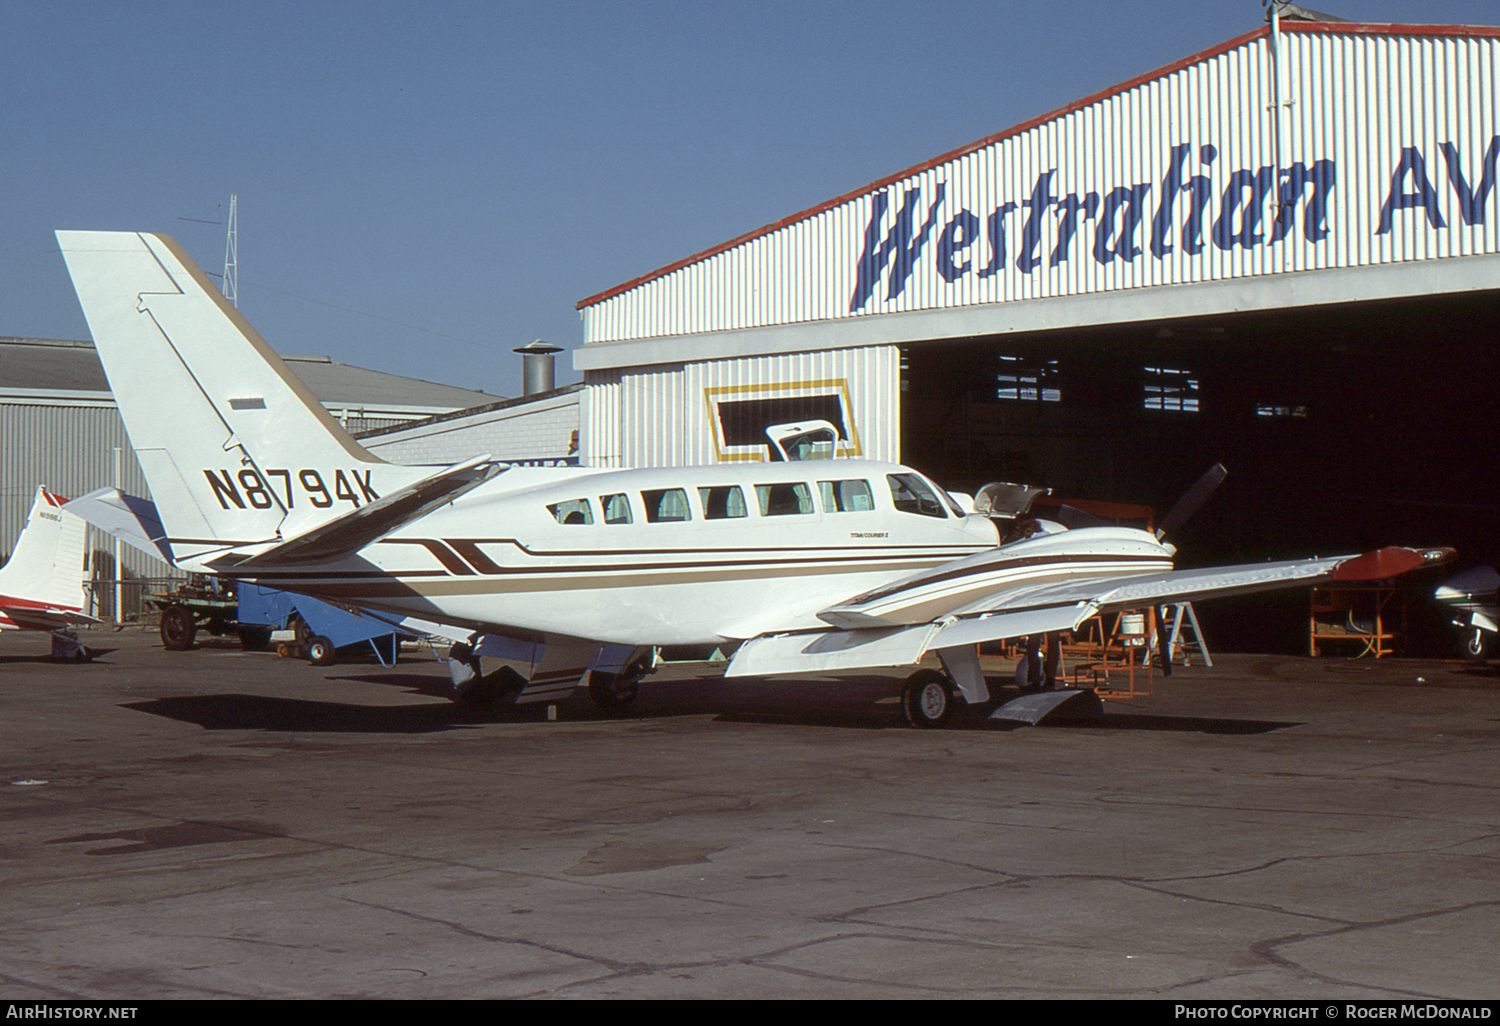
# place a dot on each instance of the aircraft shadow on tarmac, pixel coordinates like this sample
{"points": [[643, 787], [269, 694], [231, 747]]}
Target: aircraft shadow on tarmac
{"points": [[773, 706], [260, 712], [977, 720], [44, 658]]}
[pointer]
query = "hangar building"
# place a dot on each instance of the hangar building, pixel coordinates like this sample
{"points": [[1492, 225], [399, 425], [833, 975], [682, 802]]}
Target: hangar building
{"points": [[1280, 253]]}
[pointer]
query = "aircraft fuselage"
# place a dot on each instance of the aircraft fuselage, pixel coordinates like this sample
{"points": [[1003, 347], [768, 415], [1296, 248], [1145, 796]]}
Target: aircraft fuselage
{"points": [[669, 556]]}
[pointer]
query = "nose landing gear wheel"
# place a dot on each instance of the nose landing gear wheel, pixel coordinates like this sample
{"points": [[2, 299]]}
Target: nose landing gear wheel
{"points": [[927, 699]]}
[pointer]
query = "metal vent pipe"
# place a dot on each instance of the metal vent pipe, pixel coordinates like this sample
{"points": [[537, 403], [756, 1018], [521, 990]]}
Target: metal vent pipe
{"points": [[537, 360]]}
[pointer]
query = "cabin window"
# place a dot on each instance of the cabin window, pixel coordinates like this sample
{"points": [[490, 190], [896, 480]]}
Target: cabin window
{"points": [[722, 502], [666, 505], [616, 509], [910, 494], [846, 496], [574, 511], [779, 500]]}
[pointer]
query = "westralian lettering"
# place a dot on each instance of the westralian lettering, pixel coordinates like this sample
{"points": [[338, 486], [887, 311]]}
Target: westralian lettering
{"points": [[1185, 212], [898, 243], [247, 489]]}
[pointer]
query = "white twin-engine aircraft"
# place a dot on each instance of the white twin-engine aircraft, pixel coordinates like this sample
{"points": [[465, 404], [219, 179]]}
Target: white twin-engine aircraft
{"points": [[42, 584], [575, 575]]}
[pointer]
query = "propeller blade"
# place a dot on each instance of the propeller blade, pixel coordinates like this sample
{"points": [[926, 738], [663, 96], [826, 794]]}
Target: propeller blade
{"points": [[1190, 503], [1073, 519]]}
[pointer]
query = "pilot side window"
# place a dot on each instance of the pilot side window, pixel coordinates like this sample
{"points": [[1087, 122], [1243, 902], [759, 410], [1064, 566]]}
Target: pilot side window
{"points": [[846, 496], [574, 511], [777, 500], [722, 502], [616, 509], [666, 505], [910, 494]]}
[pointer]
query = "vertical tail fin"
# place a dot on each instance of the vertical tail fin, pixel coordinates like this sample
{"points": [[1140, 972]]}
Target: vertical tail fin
{"points": [[46, 567], [234, 446]]}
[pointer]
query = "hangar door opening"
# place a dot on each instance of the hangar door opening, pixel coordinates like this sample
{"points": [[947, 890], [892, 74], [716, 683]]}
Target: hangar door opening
{"points": [[1343, 429]]}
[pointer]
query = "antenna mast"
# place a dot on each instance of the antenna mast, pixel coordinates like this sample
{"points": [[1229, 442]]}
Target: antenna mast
{"points": [[232, 258]]}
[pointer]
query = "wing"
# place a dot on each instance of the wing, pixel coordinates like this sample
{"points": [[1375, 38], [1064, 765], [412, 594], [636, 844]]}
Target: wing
{"points": [[1015, 609]]}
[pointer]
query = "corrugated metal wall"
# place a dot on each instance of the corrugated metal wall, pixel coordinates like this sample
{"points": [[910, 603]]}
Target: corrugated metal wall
{"points": [[666, 416], [70, 449], [1345, 148]]}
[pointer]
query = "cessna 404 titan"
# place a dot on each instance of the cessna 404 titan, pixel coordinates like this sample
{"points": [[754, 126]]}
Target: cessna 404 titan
{"points": [[572, 575]]}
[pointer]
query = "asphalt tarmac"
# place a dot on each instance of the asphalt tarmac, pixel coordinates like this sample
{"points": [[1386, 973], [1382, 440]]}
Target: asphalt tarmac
{"points": [[228, 824]]}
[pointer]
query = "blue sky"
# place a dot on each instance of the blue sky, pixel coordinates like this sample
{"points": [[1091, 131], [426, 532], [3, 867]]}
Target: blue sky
{"points": [[424, 186]]}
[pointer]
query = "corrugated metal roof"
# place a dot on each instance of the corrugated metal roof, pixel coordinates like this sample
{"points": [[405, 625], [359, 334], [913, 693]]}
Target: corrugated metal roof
{"points": [[63, 364], [50, 363]]}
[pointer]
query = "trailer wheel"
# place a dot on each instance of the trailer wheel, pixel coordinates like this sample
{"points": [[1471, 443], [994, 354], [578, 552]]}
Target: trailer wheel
{"points": [[177, 629], [927, 699], [320, 652], [301, 631]]}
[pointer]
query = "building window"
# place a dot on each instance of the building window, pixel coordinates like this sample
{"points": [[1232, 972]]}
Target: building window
{"points": [[1274, 410], [1025, 379], [1171, 388]]}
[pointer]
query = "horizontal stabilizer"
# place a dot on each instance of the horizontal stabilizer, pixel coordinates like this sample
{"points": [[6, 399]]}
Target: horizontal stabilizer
{"points": [[130, 519], [351, 532], [44, 618]]}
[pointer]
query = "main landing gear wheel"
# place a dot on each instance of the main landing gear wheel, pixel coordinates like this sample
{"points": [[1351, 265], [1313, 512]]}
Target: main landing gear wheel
{"points": [[927, 699], [1475, 644], [177, 629]]}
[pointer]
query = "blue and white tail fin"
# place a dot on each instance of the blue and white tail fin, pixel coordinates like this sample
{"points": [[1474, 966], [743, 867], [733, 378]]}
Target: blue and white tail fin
{"points": [[235, 448], [46, 569]]}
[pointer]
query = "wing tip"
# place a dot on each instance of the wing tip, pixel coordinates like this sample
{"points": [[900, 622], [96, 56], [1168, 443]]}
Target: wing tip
{"points": [[1392, 561]]}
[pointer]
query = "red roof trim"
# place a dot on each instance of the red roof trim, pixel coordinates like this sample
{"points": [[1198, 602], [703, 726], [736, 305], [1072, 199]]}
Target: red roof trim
{"points": [[1026, 126]]}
